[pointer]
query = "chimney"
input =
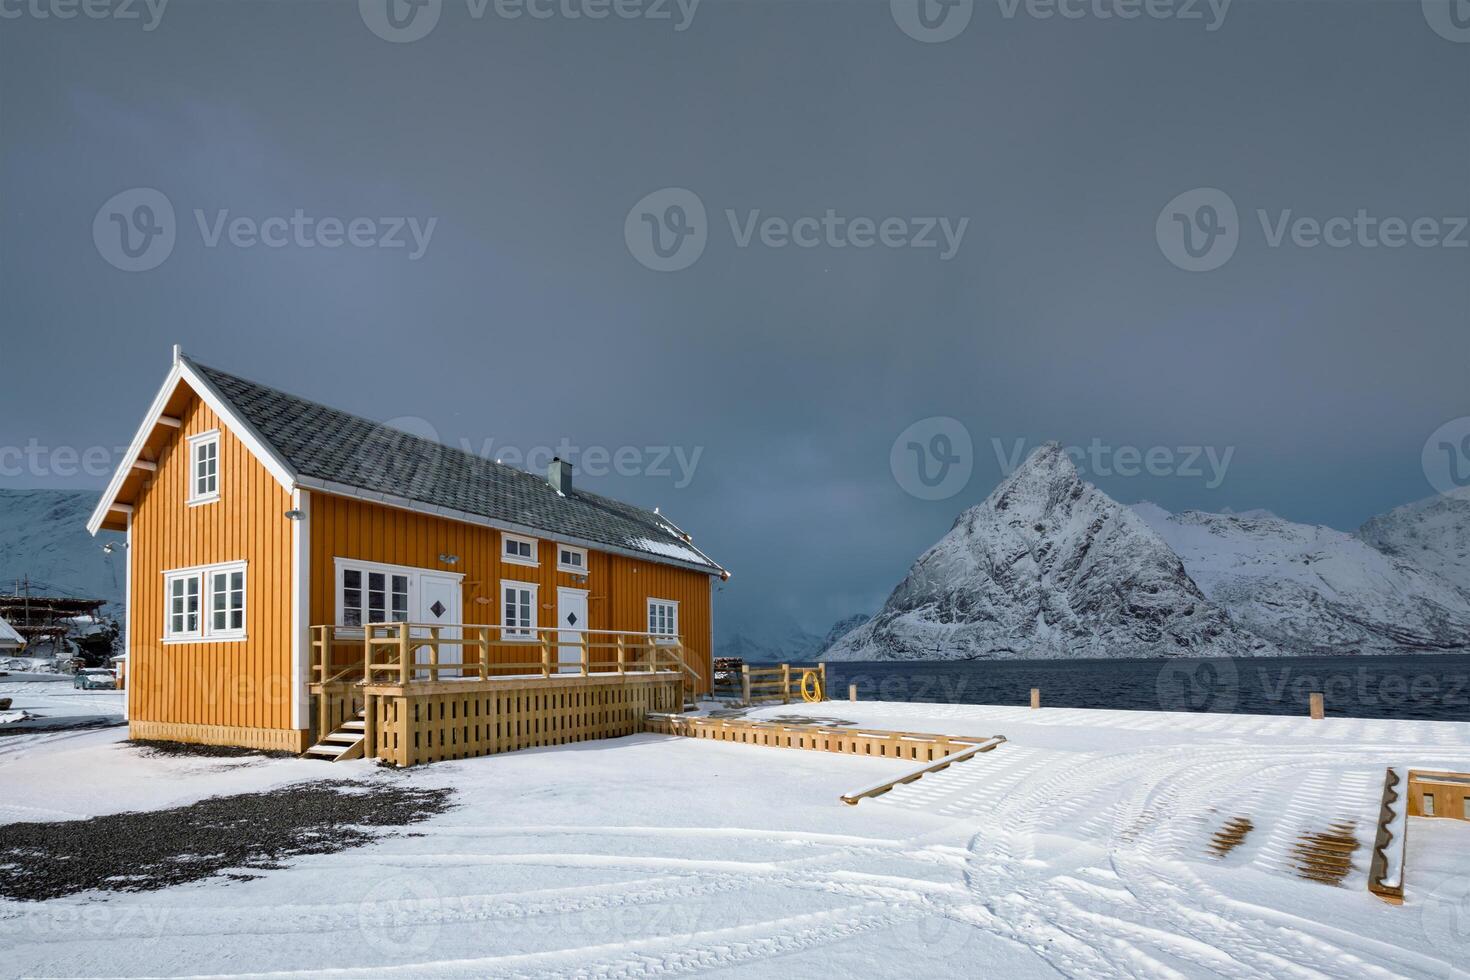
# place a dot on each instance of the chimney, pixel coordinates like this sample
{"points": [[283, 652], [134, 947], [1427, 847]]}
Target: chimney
{"points": [[559, 475]]}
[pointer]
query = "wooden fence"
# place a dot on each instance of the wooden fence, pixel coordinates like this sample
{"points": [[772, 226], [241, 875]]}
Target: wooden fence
{"points": [[409, 693], [769, 684], [918, 746]]}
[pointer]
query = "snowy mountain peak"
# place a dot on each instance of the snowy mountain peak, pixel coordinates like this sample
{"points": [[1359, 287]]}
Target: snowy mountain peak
{"points": [[1434, 533], [1313, 589], [1048, 566]]}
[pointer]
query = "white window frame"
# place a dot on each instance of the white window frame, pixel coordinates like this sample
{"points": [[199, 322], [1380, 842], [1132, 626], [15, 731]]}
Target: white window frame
{"points": [[573, 569], [365, 568], [506, 538], [673, 620], [520, 632], [226, 632], [204, 631], [196, 445]]}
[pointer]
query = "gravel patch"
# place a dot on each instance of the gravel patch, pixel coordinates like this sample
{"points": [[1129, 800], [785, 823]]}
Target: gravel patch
{"points": [[156, 747], [155, 849]]}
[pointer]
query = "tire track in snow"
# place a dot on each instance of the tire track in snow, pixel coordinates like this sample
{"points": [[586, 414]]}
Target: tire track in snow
{"points": [[655, 956]]}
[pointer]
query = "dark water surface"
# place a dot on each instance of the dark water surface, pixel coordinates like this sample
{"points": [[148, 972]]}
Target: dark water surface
{"points": [[1435, 687]]}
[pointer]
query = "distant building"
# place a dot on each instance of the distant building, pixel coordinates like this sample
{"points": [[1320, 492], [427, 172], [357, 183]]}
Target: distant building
{"points": [[11, 642]]}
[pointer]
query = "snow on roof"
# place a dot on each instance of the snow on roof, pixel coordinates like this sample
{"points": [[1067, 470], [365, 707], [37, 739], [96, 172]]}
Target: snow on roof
{"points": [[8, 635]]}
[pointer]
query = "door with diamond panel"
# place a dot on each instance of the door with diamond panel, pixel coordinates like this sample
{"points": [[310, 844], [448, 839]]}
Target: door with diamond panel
{"points": [[439, 598], [571, 621]]}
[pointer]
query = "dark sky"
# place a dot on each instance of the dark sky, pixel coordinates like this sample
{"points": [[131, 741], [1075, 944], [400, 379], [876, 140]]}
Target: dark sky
{"points": [[529, 319]]}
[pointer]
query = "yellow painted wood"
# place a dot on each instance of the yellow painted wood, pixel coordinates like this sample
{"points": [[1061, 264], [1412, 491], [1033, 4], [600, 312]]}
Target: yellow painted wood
{"points": [[270, 739], [244, 685]]}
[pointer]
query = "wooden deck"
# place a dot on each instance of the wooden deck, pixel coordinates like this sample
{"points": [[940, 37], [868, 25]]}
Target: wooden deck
{"points": [[407, 693]]}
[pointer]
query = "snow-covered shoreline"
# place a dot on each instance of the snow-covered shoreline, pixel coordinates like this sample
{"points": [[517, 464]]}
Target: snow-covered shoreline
{"points": [[1079, 847]]}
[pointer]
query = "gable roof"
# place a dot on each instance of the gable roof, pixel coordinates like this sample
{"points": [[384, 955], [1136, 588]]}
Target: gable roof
{"points": [[324, 449], [8, 635]]}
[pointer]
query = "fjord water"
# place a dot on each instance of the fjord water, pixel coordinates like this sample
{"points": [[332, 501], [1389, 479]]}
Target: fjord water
{"points": [[1426, 686]]}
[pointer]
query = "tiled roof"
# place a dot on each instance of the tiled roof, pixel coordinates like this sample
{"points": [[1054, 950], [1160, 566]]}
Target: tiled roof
{"points": [[332, 446]]}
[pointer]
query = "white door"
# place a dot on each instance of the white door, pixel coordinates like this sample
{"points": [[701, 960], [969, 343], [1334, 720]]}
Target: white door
{"points": [[439, 597], [571, 621]]}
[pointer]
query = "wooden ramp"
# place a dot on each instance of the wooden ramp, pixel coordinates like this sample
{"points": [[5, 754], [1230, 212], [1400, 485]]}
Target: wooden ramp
{"points": [[936, 752]]}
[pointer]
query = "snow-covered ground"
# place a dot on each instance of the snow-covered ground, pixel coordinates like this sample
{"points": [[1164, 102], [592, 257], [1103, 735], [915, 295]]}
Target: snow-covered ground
{"points": [[50, 703], [1079, 848]]}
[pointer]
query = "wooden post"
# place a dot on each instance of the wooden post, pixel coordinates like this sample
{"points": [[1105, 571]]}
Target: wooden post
{"points": [[545, 654], [484, 634], [622, 655], [785, 683], [323, 728], [1036, 697], [369, 727], [822, 670], [586, 654], [1318, 712], [434, 653], [852, 692], [405, 654], [745, 683]]}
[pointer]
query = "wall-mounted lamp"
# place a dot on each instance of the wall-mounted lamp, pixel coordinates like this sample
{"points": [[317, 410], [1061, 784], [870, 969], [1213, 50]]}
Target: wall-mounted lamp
{"points": [[295, 515], [449, 559]]}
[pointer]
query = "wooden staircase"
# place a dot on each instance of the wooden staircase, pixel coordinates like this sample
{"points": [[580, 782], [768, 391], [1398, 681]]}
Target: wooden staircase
{"points": [[343, 744]]}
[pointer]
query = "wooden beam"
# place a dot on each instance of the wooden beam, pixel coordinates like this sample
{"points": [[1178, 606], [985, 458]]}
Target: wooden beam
{"points": [[170, 421], [122, 508], [144, 464]]}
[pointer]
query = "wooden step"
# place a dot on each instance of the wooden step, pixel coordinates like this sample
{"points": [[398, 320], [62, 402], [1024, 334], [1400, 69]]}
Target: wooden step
{"points": [[342, 738]]}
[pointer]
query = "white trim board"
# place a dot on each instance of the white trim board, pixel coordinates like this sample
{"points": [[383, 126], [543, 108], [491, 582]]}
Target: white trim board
{"points": [[183, 372], [300, 606]]}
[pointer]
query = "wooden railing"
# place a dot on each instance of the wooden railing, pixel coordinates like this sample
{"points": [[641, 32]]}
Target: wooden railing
{"points": [[776, 682], [412, 653]]}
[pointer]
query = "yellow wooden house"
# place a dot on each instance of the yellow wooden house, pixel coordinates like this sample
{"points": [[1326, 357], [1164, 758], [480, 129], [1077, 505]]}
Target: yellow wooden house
{"points": [[304, 579]]}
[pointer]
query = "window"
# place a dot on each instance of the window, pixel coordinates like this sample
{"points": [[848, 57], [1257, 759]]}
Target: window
{"points": [[227, 602], [371, 595], [663, 618], [1429, 804], [205, 603], [204, 467], [569, 559], [521, 551], [183, 607], [518, 610]]}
